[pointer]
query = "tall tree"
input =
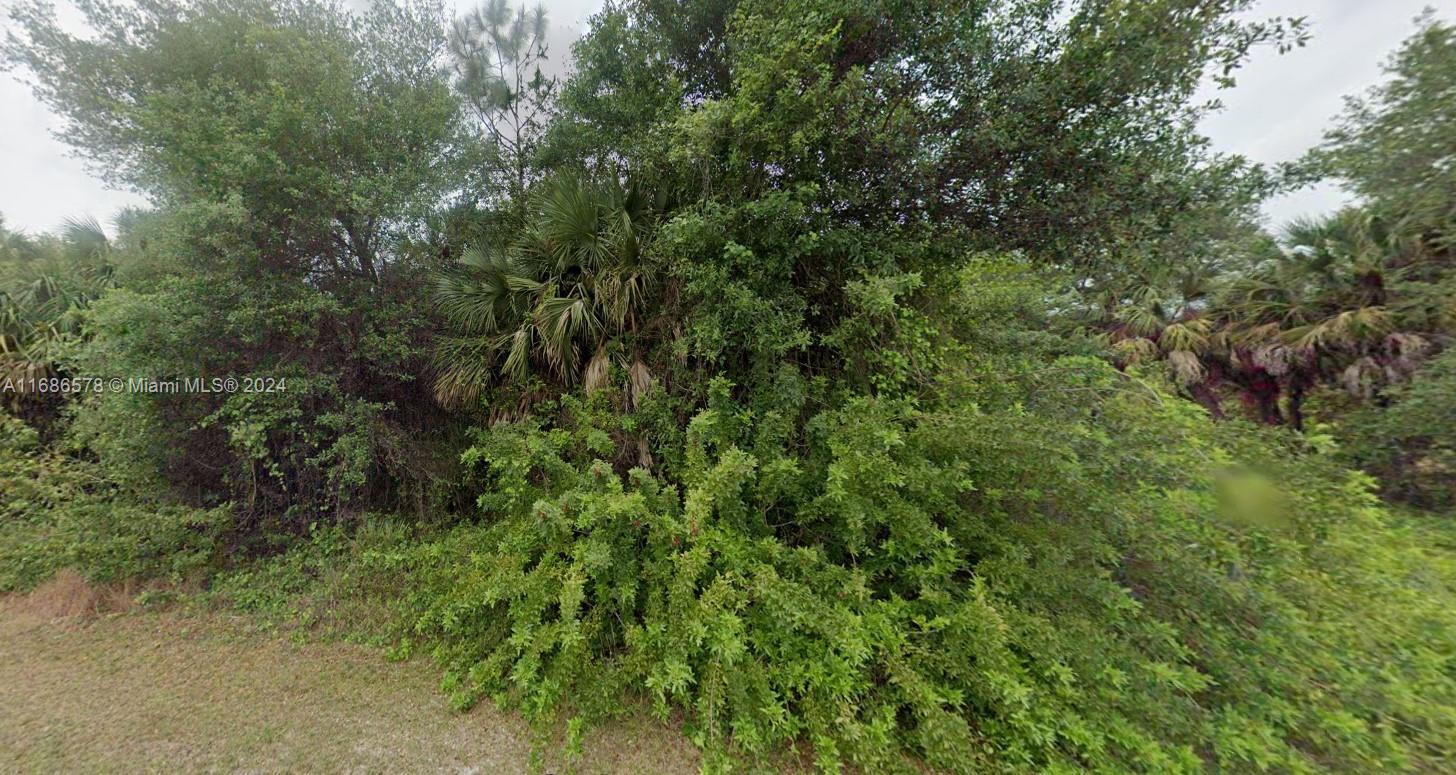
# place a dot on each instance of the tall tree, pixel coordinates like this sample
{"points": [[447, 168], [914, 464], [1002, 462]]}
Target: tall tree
{"points": [[1064, 129], [1395, 144], [332, 130], [498, 56], [292, 148]]}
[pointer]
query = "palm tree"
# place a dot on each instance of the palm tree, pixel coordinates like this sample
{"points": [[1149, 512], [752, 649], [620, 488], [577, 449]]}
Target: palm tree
{"points": [[574, 280], [45, 286], [1166, 319], [1319, 309], [1322, 307]]}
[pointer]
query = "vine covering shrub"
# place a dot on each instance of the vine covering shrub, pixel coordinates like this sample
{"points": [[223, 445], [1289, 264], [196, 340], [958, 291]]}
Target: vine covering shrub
{"points": [[1043, 568], [59, 511]]}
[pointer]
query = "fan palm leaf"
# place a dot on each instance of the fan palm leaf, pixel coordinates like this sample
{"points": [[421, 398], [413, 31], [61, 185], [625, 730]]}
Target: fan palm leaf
{"points": [[46, 285], [573, 277]]}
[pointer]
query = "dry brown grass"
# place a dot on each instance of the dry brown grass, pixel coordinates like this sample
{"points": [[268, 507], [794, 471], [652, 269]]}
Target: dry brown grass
{"points": [[68, 596], [85, 689]]}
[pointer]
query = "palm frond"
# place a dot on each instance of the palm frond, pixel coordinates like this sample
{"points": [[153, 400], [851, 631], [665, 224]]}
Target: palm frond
{"points": [[640, 381], [1187, 367], [1137, 349], [1188, 335], [597, 372], [572, 278]]}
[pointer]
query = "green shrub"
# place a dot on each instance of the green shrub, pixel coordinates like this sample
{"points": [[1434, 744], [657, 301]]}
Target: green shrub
{"points": [[1036, 564], [968, 586], [1410, 445], [325, 583], [58, 511]]}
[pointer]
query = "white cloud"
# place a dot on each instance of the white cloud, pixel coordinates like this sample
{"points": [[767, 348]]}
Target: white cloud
{"points": [[1283, 103], [42, 184]]}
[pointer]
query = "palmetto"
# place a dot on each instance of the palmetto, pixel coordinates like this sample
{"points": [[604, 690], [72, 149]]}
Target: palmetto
{"points": [[546, 301], [1326, 301], [45, 286], [1319, 309], [1165, 319]]}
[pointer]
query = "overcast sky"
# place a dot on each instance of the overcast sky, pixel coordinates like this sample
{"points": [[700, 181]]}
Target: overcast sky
{"points": [[1277, 111]]}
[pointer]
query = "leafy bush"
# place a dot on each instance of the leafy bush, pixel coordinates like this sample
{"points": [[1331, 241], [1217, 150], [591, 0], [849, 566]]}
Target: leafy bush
{"points": [[1411, 444], [339, 378], [58, 512], [1039, 567], [324, 583], [297, 147]]}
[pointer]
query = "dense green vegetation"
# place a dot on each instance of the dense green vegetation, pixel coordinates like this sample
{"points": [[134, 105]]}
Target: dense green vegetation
{"points": [[907, 384]]}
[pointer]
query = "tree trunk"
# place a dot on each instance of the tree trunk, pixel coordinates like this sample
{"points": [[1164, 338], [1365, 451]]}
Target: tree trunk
{"points": [[1263, 392], [1296, 403], [1208, 398]]}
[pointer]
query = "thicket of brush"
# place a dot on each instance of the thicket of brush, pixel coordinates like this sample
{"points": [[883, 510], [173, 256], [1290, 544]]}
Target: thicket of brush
{"points": [[902, 382]]}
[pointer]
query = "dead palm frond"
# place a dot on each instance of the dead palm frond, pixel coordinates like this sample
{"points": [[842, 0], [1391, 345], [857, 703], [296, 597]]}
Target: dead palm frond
{"points": [[1187, 367], [640, 381], [597, 373]]}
